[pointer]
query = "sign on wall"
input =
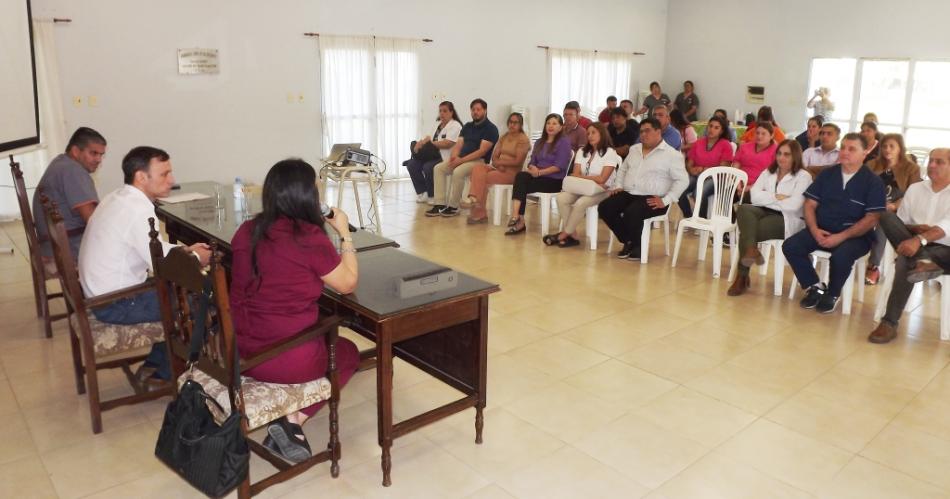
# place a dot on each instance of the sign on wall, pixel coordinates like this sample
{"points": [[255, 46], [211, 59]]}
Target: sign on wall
{"points": [[197, 61]]}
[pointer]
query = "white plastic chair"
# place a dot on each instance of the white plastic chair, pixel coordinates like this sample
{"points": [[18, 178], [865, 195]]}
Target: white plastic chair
{"points": [[766, 247], [354, 175], [727, 181], [822, 259], [545, 199], [501, 193], [648, 225], [884, 291]]}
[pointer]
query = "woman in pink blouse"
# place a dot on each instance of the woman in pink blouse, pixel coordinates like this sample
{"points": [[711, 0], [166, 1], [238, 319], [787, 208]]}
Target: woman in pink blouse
{"points": [[280, 262], [714, 149], [756, 156]]}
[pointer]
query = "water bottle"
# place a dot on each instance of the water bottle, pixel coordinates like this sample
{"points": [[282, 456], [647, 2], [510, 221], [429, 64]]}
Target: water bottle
{"points": [[238, 195]]}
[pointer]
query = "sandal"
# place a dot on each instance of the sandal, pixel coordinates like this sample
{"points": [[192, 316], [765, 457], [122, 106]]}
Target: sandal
{"points": [[285, 441], [476, 221], [568, 242], [514, 229], [550, 240], [512, 222]]}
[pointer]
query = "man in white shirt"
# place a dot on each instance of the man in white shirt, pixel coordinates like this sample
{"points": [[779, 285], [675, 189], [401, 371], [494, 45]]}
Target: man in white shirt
{"points": [[651, 177], [920, 232], [115, 246], [825, 153]]}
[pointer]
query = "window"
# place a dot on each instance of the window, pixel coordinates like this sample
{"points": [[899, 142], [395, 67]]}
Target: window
{"points": [[370, 95], [908, 97], [588, 78]]}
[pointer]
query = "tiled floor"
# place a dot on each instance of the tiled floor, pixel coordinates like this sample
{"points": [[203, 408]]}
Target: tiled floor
{"points": [[607, 378]]}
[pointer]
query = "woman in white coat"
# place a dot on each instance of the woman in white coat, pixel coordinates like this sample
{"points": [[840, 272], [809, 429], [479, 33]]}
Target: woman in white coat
{"points": [[776, 209]]}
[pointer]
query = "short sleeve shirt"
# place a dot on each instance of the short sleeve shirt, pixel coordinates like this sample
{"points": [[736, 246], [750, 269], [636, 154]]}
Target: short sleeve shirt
{"points": [[754, 162], [650, 102], [451, 132], [706, 157], [841, 205], [474, 133], [281, 300], [69, 185], [595, 163], [683, 103], [628, 137]]}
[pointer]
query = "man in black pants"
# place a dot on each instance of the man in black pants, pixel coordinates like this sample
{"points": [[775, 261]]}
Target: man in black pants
{"points": [[920, 233], [651, 177]]}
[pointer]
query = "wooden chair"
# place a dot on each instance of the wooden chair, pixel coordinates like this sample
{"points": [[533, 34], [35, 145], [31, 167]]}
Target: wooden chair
{"points": [[97, 345], [40, 276], [180, 284]]}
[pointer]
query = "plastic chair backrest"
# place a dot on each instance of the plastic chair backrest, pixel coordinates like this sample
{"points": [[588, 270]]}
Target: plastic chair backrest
{"points": [[726, 181]]}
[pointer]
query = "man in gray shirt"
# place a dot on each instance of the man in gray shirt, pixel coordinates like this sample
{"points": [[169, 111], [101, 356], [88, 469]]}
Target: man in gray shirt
{"points": [[68, 183]]}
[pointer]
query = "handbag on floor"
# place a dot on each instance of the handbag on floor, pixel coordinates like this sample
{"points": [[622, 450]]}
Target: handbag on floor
{"points": [[213, 458], [581, 186]]}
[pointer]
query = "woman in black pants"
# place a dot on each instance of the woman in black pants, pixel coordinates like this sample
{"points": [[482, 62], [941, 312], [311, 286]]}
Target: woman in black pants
{"points": [[549, 162]]}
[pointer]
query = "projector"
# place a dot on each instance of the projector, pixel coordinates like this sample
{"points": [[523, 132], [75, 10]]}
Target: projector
{"points": [[358, 156]]}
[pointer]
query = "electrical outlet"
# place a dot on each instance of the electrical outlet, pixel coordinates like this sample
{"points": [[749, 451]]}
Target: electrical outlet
{"points": [[92, 101], [77, 101]]}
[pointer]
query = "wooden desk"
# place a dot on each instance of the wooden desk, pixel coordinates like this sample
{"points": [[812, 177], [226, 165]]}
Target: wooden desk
{"points": [[444, 334]]}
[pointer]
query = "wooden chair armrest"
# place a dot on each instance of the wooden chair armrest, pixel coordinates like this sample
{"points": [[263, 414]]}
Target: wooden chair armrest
{"points": [[322, 327], [108, 298]]}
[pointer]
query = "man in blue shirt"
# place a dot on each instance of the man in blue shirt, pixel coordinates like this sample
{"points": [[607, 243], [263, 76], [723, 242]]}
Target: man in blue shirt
{"points": [[670, 135], [474, 146], [841, 207]]}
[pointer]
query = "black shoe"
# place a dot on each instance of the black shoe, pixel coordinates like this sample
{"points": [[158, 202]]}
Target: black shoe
{"points": [[827, 303], [812, 296], [435, 211], [448, 211], [626, 251], [285, 436]]}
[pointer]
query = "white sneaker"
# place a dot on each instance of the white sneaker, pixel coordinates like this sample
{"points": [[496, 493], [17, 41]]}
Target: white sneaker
{"points": [[430, 201], [422, 198]]}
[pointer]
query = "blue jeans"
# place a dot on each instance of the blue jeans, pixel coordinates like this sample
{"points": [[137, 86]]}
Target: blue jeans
{"points": [[708, 189], [421, 175], [799, 247], [137, 309]]}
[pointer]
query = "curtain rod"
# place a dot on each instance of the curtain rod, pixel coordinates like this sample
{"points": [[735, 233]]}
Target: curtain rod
{"points": [[545, 47], [317, 35]]}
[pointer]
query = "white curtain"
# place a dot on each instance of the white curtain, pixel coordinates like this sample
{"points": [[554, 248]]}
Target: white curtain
{"points": [[588, 77], [53, 138], [370, 94]]}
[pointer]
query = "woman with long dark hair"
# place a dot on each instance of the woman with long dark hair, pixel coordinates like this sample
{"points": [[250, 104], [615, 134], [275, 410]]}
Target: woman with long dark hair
{"points": [[280, 261], [686, 130], [546, 169], [713, 149], [763, 116], [775, 211], [424, 159]]}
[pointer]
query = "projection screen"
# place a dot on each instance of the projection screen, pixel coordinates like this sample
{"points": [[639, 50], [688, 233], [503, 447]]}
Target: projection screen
{"points": [[19, 109]]}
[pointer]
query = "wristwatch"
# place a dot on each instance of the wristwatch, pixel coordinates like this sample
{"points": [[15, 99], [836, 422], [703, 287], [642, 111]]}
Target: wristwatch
{"points": [[923, 240]]}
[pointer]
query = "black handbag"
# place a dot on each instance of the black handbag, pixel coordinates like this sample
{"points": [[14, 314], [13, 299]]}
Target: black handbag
{"points": [[213, 458], [428, 152]]}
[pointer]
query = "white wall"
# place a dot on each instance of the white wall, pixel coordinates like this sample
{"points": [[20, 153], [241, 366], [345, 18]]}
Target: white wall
{"points": [[239, 122], [726, 45]]}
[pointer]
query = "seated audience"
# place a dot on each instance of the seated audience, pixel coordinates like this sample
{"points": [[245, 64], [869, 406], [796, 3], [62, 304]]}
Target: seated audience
{"points": [[763, 116], [873, 119], [732, 131], [573, 130], [115, 248], [775, 211], [622, 132], [68, 182], [825, 154], [920, 232], [655, 98], [670, 135], [685, 130], [821, 103], [584, 121], [506, 161], [869, 130], [755, 157], [595, 162], [474, 146], [281, 259], [841, 207], [420, 165], [809, 138], [627, 106], [687, 102], [897, 172], [550, 160], [604, 116], [713, 149], [651, 177]]}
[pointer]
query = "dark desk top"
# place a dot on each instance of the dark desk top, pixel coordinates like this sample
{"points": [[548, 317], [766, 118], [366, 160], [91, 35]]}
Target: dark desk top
{"points": [[377, 293], [220, 224]]}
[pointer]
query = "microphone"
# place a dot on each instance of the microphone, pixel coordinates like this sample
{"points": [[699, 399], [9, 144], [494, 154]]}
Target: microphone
{"points": [[328, 214]]}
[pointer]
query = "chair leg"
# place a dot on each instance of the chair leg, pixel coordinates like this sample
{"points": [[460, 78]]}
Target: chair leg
{"points": [[359, 207], [545, 214], [862, 269], [610, 242], [717, 253], [793, 287], [847, 294], [47, 323], [372, 200], [679, 240], [92, 380], [703, 245], [779, 271], [591, 219], [766, 250], [944, 307], [496, 206], [666, 231], [645, 243], [734, 255], [77, 362], [38, 295]]}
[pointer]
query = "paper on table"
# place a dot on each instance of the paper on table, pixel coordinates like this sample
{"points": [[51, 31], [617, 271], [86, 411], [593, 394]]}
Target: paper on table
{"points": [[181, 198]]}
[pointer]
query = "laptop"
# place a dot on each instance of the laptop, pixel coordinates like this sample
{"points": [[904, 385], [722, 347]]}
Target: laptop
{"points": [[338, 150]]}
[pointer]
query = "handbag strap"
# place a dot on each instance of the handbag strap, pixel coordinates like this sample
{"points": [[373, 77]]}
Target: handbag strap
{"points": [[200, 330]]}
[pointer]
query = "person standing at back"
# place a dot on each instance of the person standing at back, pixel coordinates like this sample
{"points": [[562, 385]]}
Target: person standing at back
{"points": [[604, 116], [655, 98], [687, 102]]}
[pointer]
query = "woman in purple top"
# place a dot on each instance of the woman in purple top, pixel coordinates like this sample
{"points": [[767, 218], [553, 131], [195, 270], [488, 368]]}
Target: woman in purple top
{"points": [[546, 169]]}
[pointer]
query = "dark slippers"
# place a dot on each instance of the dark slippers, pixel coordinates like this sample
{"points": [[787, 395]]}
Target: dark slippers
{"points": [[283, 439]]}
